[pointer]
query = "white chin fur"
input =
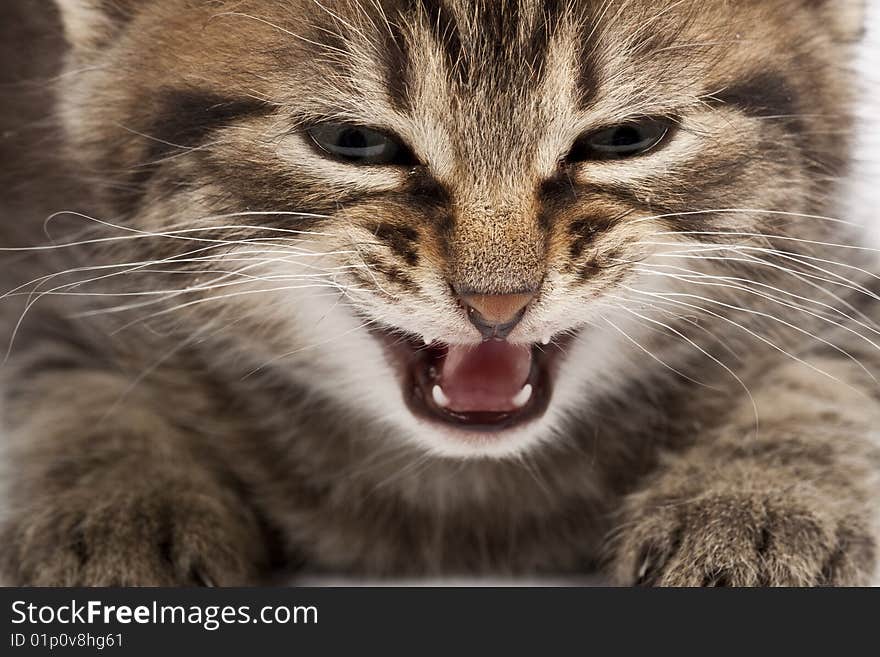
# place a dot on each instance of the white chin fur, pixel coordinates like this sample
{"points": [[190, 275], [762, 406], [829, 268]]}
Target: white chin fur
{"points": [[348, 364]]}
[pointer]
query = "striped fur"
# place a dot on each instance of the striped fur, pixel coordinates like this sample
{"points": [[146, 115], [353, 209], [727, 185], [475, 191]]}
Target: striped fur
{"points": [[210, 400]]}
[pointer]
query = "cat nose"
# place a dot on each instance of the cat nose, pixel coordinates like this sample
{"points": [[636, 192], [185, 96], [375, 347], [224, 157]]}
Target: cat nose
{"points": [[496, 315]]}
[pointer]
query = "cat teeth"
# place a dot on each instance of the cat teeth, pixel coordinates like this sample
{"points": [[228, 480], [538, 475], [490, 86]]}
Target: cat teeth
{"points": [[427, 339], [440, 397], [547, 339], [522, 398]]}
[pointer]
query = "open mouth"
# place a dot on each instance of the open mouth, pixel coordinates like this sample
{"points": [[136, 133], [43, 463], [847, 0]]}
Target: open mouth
{"points": [[489, 387]]}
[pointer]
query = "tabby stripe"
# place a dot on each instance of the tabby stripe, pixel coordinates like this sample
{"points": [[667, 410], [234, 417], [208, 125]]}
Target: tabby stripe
{"points": [[397, 65], [446, 33], [187, 116], [768, 95], [762, 95], [185, 119], [401, 240], [552, 13]]}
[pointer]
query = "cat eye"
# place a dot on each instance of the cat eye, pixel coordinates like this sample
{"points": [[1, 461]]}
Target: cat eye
{"points": [[620, 141], [359, 145]]}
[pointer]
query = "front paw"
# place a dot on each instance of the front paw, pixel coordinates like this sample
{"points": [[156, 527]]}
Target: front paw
{"points": [[729, 537], [173, 534]]}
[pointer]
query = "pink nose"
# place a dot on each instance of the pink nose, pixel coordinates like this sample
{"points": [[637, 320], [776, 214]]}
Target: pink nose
{"points": [[496, 315]]}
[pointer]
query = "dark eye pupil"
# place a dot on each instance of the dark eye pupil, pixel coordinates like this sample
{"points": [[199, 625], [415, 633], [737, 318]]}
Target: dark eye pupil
{"points": [[626, 136], [356, 144], [352, 138], [621, 141]]}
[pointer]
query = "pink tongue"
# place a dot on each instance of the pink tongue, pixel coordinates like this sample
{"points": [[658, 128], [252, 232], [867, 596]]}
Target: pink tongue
{"points": [[485, 378]]}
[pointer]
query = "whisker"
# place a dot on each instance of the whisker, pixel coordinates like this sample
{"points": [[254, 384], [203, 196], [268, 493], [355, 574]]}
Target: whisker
{"points": [[779, 320], [691, 321], [770, 343], [842, 282], [648, 352], [776, 213], [802, 277], [313, 345], [708, 355], [768, 236], [196, 302], [769, 297]]}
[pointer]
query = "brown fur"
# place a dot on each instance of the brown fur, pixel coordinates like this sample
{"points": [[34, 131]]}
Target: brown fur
{"points": [[714, 437]]}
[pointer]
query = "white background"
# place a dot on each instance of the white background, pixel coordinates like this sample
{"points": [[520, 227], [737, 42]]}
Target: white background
{"points": [[863, 199]]}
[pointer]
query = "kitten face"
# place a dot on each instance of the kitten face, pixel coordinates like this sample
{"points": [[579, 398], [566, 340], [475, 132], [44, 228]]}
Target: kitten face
{"points": [[381, 177]]}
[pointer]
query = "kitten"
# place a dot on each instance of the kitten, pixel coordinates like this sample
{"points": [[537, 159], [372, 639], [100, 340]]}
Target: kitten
{"points": [[446, 287]]}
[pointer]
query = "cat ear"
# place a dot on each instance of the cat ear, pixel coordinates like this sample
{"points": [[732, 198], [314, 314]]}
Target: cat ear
{"points": [[90, 24], [846, 18]]}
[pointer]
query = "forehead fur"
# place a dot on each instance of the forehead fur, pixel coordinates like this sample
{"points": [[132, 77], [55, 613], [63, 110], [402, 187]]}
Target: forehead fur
{"points": [[507, 36], [479, 67], [476, 88]]}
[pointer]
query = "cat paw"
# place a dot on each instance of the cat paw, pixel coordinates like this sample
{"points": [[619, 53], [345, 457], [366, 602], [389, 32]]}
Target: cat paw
{"points": [[740, 538], [159, 536]]}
